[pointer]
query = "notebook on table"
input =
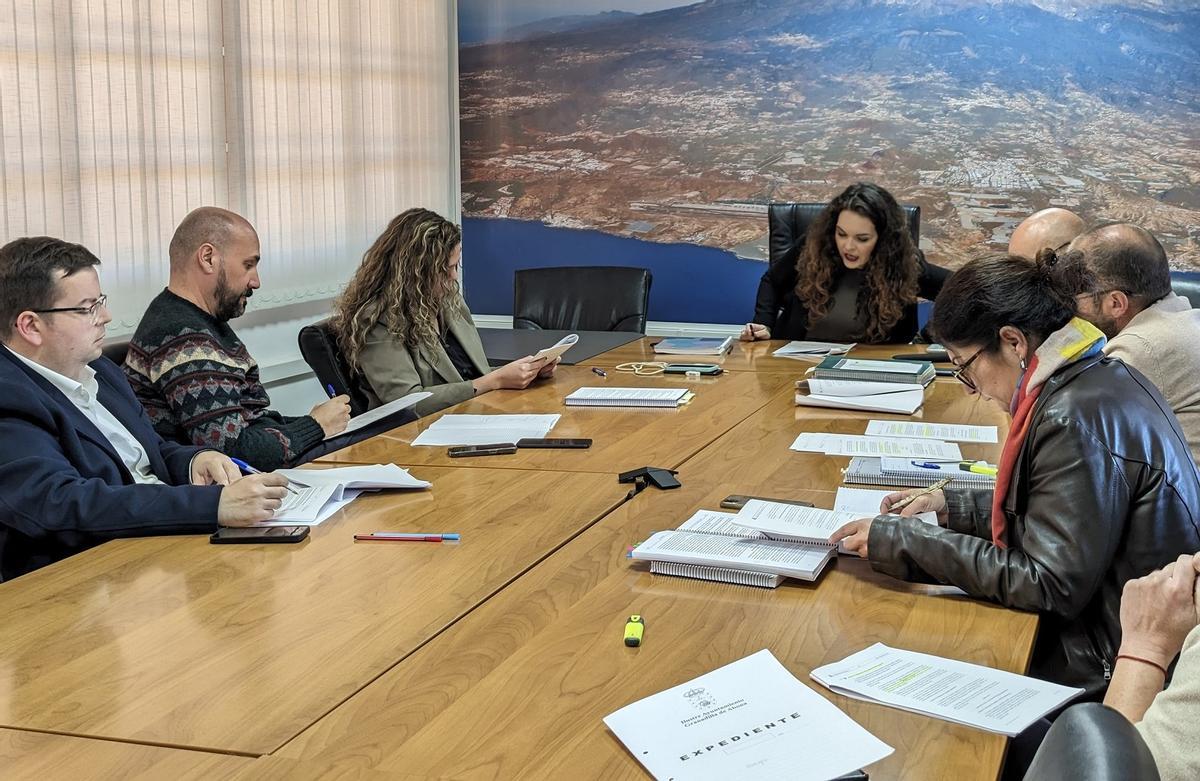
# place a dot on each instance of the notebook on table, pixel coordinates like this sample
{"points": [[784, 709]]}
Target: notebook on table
{"points": [[836, 367], [694, 345], [899, 398], [872, 470], [711, 546], [628, 397]]}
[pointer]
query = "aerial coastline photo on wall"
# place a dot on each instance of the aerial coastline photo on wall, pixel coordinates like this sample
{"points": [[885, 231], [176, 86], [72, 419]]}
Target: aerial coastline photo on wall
{"points": [[654, 133]]}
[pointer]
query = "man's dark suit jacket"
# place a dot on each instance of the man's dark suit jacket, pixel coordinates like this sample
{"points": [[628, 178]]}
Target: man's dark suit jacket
{"points": [[64, 489]]}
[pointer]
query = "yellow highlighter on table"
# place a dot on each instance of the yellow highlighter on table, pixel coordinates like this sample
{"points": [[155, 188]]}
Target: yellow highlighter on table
{"points": [[978, 467], [634, 628]]}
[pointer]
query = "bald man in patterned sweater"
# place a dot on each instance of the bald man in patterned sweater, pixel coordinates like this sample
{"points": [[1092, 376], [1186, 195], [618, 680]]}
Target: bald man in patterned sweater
{"points": [[192, 373]]}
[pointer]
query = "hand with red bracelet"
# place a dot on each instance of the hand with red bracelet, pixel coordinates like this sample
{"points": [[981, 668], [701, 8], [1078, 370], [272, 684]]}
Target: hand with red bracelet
{"points": [[1158, 611]]}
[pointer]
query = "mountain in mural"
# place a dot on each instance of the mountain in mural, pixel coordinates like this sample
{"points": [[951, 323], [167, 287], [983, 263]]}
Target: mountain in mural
{"points": [[678, 125]]}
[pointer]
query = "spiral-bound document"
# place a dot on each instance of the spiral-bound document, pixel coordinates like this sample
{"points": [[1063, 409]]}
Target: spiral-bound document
{"points": [[628, 397]]}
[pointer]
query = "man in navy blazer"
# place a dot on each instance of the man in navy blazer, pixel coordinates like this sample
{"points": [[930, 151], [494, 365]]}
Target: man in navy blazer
{"points": [[80, 462]]}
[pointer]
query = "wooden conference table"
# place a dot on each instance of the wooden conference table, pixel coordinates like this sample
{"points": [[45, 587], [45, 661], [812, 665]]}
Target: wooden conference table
{"points": [[495, 658]]}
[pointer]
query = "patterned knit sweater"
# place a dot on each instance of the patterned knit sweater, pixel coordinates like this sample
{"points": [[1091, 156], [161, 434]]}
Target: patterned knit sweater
{"points": [[200, 386]]}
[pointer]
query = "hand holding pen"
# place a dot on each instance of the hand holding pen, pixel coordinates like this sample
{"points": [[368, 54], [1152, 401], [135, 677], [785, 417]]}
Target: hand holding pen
{"points": [[932, 500], [333, 415], [246, 468]]}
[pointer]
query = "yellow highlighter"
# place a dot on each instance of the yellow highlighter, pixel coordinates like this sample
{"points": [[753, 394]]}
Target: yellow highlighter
{"points": [[634, 628], [979, 468]]}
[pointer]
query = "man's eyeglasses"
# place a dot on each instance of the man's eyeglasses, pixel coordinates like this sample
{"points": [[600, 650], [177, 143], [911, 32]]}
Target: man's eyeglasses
{"points": [[960, 372], [92, 311]]}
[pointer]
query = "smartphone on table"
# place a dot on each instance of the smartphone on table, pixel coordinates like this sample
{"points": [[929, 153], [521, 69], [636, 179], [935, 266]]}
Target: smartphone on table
{"points": [[555, 442], [253, 535], [496, 449], [706, 369]]}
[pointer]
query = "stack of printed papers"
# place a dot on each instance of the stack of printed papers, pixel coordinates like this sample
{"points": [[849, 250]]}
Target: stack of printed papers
{"points": [[861, 445], [485, 429], [993, 700], [750, 719], [805, 350], [319, 493]]}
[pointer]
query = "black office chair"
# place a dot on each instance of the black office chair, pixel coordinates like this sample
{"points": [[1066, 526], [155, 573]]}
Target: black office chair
{"points": [[787, 224], [1095, 742], [116, 350], [582, 298], [318, 345], [1187, 285]]}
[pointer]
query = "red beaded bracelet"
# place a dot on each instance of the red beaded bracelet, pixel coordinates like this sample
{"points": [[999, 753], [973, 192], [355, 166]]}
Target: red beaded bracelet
{"points": [[1161, 669]]}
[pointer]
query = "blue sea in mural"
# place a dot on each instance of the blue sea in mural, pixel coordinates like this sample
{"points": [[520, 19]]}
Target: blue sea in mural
{"points": [[692, 284]]}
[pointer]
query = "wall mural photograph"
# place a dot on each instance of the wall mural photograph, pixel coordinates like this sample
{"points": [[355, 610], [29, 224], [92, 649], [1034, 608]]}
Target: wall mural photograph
{"points": [[653, 134]]}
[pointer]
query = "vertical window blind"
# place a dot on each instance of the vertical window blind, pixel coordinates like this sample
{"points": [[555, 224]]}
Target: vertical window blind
{"points": [[318, 120]]}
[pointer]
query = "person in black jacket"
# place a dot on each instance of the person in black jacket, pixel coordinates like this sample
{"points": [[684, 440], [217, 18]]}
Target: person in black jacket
{"points": [[857, 278], [1096, 485]]}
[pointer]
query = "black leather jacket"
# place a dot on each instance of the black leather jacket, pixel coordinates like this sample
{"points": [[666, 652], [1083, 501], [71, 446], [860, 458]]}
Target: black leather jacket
{"points": [[1104, 490]]}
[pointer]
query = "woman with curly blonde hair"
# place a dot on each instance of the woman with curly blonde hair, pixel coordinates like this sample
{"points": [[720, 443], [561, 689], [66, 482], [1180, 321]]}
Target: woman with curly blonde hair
{"points": [[403, 323], [857, 278]]}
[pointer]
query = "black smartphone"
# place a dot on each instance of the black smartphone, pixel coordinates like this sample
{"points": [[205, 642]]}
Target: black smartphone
{"points": [[707, 369], [933, 356], [738, 501], [498, 449], [254, 535], [558, 442]]}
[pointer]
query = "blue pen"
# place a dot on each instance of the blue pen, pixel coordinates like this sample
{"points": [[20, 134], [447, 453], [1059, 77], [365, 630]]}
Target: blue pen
{"points": [[925, 464], [329, 389], [242, 465]]}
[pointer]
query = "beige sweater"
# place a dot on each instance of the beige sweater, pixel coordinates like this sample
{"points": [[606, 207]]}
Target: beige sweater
{"points": [[1171, 726], [1163, 343]]}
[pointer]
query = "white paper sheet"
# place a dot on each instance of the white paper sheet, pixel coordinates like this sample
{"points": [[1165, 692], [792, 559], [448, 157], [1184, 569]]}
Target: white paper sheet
{"points": [[954, 432], [717, 522], [558, 348], [750, 719], [811, 350], [859, 445], [793, 521], [484, 429], [365, 476], [867, 500], [905, 403], [382, 411], [332, 489], [983, 697], [859, 387]]}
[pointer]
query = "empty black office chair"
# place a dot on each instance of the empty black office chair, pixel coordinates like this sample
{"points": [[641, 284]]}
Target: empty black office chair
{"points": [[1187, 286], [115, 350], [319, 347], [1094, 742], [787, 224], [582, 298]]}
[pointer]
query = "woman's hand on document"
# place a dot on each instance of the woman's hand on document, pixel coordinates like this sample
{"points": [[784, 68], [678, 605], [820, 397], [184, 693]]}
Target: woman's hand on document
{"points": [[853, 536]]}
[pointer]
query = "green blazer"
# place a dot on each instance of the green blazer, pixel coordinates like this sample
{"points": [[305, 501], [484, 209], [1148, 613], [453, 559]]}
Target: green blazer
{"points": [[393, 369]]}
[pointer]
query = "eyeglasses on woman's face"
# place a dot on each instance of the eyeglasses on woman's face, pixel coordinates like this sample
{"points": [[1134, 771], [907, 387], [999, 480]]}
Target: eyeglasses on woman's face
{"points": [[960, 372]]}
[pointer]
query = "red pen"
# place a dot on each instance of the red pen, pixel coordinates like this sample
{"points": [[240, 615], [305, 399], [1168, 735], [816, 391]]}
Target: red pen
{"points": [[406, 537]]}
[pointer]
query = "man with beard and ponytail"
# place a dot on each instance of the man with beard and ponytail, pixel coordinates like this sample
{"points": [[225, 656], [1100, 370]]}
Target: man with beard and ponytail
{"points": [[192, 373]]}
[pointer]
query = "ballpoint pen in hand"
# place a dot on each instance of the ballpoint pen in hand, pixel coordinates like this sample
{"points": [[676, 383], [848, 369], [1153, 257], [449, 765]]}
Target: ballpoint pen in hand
{"points": [[906, 501], [242, 465]]}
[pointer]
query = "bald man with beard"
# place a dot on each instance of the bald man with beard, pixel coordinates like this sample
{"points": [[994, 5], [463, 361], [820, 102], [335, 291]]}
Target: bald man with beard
{"points": [[1053, 228], [1125, 291], [195, 377]]}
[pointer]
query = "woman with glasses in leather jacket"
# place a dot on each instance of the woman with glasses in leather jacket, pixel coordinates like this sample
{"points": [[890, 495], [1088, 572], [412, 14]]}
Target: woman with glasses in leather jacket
{"points": [[1096, 485]]}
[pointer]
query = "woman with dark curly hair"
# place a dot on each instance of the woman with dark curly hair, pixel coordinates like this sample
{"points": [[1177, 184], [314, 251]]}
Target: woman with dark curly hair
{"points": [[857, 278], [403, 323]]}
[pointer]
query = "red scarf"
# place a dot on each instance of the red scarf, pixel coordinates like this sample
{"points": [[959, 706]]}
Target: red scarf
{"points": [[1077, 339]]}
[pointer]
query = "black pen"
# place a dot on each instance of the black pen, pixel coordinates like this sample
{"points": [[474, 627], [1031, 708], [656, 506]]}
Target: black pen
{"points": [[601, 372]]}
